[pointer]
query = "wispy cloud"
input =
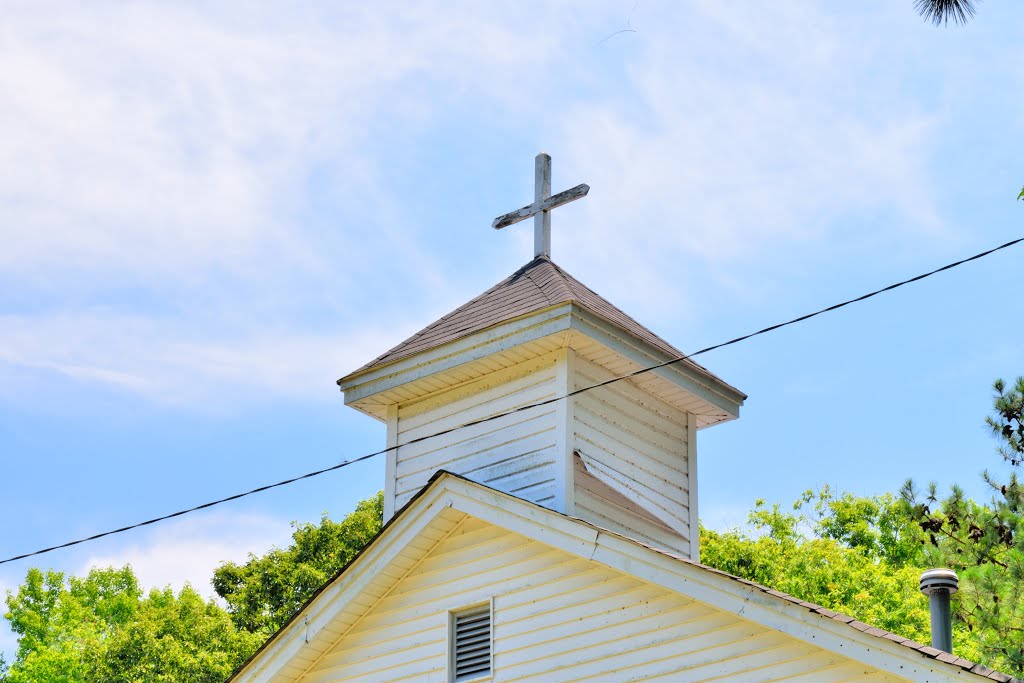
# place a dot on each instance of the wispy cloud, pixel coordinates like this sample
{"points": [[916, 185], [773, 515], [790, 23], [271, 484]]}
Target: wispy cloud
{"points": [[161, 191], [156, 359], [159, 171], [187, 551], [173, 554], [749, 130], [157, 140]]}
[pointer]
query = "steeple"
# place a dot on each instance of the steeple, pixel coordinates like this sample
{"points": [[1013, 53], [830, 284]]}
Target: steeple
{"points": [[622, 456]]}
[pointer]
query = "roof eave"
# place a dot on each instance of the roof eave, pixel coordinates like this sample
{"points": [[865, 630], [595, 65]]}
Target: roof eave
{"points": [[364, 388], [445, 491]]}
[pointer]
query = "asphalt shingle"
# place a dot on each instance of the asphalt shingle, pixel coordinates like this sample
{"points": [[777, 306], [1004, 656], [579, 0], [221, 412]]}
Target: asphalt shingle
{"points": [[536, 286]]}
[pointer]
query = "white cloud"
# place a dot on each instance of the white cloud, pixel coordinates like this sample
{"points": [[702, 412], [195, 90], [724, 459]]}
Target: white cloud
{"points": [[158, 360], [190, 549], [175, 553], [156, 175], [749, 130], [154, 139], [164, 157]]}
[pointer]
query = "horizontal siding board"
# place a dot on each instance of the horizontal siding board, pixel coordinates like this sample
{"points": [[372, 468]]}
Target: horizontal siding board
{"points": [[541, 474], [473, 438], [510, 386], [626, 476], [596, 625], [562, 618], [516, 453], [521, 440], [635, 450], [589, 485], [631, 436], [642, 405], [624, 521], [669, 506], [453, 589], [634, 649], [510, 469]]}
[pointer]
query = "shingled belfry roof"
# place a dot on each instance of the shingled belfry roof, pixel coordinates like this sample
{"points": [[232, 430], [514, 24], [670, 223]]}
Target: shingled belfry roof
{"points": [[536, 286]]}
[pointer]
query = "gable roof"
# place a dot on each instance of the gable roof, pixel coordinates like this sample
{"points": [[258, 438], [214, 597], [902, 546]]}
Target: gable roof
{"points": [[537, 285], [303, 637]]}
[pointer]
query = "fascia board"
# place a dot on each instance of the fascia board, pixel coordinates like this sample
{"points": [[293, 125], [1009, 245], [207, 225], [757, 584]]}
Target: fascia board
{"points": [[723, 592], [700, 384], [751, 602], [308, 624], [492, 340], [537, 325]]}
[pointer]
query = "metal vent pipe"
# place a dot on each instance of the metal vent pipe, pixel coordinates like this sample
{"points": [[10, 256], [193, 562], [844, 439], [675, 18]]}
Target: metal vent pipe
{"points": [[938, 585]]}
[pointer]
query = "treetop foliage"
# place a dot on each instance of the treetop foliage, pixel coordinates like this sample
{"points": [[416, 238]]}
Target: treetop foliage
{"points": [[984, 542], [847, 553], [267, 590], [102, 628]]}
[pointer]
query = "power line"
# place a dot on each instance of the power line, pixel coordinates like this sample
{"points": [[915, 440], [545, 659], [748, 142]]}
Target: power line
{"points": [[545, 402]]}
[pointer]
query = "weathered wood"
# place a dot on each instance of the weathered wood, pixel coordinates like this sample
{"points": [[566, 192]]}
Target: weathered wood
{"points": [[516, 453], [552, 202], [542, 191], [543, 202]]}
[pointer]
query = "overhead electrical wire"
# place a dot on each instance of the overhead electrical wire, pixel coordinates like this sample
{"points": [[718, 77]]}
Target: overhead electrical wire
{"points": [[531, 406]]}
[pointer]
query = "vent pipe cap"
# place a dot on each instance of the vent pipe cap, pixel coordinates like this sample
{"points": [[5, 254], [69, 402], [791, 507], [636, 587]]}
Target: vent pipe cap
{"points": [[935, 580]]}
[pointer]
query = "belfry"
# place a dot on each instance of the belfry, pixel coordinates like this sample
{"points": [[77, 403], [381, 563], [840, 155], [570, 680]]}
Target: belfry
{"points": [[622, 455]]}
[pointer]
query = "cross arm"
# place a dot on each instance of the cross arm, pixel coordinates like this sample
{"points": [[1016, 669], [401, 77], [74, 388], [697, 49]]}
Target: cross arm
{"points": [[522, 214]]}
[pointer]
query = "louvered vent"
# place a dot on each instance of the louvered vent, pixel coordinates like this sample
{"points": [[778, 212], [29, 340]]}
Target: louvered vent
{"points": [[471, 642]]}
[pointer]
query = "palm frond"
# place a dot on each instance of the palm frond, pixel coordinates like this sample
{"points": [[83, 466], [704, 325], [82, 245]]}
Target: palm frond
{"points": [[941, 11]]}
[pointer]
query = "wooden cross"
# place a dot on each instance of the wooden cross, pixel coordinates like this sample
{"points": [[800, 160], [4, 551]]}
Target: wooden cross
{"points": [[543, 202]]}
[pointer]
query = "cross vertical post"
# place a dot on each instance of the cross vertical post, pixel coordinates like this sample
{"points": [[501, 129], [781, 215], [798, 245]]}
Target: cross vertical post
{"points": [[543, 202], [542, 220]]}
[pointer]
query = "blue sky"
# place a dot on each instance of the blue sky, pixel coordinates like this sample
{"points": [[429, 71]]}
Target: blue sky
{"points": [[210, 212]]}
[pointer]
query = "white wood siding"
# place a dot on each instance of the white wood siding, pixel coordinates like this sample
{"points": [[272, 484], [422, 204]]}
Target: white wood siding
{"points": [[558, 617], [601, 504], [636, 445], [518, 453]]}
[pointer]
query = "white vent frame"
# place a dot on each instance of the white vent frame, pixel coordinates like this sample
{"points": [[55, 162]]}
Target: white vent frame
{"points": [[454, 617]]}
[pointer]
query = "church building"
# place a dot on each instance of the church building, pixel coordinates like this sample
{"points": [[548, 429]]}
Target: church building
{"points": [[540, 508]]}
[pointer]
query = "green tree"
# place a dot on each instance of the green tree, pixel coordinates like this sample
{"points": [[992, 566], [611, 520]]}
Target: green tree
{"points": [[880, 527], [984, 543], [176, 637], [101, 628], [267, 590], [849, 554]]}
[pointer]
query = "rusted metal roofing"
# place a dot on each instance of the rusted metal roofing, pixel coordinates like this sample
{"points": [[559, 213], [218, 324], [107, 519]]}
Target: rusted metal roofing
{"points": [[536, 286]]}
